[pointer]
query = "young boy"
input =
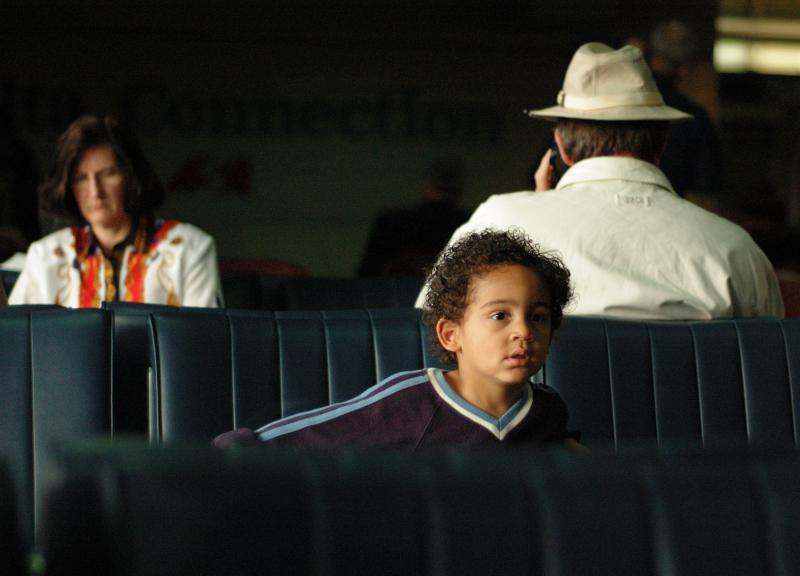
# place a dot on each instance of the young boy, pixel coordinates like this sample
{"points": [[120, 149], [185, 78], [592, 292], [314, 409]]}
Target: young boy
{"points": [[493, 303]]}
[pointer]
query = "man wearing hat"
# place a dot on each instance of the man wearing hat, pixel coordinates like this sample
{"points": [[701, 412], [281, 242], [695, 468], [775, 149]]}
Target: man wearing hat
{"points": [[634, 247]]}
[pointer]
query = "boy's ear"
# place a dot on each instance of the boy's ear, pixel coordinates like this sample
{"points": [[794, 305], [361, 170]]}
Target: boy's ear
{"points": [[448, 335]]}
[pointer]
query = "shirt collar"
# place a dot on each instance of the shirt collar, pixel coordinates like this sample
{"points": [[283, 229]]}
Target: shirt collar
{"points": [[615, 168], [499, 427]]}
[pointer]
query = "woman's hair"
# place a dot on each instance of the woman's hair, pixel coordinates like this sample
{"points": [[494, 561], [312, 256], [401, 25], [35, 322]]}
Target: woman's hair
{"points": [[143, 190], [588, 139], [449, 279]]}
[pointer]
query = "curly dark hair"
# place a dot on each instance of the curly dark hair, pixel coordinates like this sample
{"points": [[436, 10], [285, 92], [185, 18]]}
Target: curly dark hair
{"points": [[143, 191], [449, 279]]}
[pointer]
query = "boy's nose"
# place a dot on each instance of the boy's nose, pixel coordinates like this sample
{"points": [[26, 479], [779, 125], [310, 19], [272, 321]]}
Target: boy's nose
{"points": [[523, 331]]}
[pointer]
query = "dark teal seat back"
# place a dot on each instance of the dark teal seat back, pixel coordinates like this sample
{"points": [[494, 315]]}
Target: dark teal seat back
{"points": [[56, 366], [132, 362], [346, 512], [624, 381], [679, 382], [214, 372]]}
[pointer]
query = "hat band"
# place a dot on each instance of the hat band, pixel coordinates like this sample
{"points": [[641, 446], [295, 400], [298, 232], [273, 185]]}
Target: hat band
{"points": [[612, 101]]}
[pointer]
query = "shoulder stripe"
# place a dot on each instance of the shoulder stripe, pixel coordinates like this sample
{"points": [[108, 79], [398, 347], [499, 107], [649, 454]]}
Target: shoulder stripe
{"points": [[374, 389], [391, 385]]}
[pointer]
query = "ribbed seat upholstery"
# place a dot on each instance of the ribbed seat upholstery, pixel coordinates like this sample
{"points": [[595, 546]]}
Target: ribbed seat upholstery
{"points": [[56, 387], [698, 382], [131, 333], [213, 372]]}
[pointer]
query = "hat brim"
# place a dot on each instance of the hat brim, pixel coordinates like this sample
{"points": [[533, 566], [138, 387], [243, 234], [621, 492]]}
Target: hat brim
{"points": [[620, 113]]}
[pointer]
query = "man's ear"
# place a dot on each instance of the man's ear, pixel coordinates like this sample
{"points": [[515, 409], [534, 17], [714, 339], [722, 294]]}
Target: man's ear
{"points": [[564, 156], [448, 334]]}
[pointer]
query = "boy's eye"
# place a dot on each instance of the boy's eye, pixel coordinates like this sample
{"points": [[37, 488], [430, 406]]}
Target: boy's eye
{"points": [[498, 316], [539, 317]]}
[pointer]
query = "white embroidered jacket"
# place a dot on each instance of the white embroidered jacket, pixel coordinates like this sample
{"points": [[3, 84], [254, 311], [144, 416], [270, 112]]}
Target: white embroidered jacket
{"points": [[175, 263]]}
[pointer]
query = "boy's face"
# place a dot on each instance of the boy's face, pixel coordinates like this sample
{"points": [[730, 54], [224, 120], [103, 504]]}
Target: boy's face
{"points": [[505, 333]]}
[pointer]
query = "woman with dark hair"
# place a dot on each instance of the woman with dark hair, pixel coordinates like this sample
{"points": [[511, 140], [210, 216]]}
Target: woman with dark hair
{"points": [[117, 249]]}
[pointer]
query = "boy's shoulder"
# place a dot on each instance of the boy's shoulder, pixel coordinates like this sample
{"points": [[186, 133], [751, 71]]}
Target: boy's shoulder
{"points": [[546, 397], [548, 406], [385, 409], [542, 388], [384, 414]]}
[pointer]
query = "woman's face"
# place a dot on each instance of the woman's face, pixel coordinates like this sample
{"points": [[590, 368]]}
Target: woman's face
{"points": [[99, 188]]}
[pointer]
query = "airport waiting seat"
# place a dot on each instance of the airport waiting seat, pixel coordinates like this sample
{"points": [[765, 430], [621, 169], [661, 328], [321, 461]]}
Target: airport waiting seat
{"points": [[131, 333], [705, 382], [142, 512], [131, 326], [56, 366], [213, 372], [624, 381]]}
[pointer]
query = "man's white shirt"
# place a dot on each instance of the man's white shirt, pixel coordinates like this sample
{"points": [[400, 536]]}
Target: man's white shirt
{"points": [[635, 248]]}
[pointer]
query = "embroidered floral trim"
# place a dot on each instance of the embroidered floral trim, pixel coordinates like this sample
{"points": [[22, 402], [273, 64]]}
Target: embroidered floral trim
{"points": [[97, 271], [91, 282], [64, 284], [137, 266], [164, 278], [167, 261]]}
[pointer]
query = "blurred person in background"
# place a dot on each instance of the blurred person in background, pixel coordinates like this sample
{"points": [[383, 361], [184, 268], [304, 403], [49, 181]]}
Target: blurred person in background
{"points": [[117, 248], [405, 242], [692, 157]]}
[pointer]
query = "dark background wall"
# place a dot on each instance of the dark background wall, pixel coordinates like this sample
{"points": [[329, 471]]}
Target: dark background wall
{"points": [[283, 127]]}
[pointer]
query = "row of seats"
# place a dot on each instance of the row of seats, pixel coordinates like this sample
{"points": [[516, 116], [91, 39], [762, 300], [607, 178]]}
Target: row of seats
{"points": [[187, 375], [284, 288], [258, 291], [253, 511], [623, 381]]}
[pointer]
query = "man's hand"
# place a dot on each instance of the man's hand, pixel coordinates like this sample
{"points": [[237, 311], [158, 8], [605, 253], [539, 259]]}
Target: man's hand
{"points": [[545, 175]]}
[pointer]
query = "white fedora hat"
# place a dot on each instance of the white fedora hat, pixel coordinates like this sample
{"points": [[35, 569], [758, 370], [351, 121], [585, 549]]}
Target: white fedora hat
{"points": [[606, 84]]}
